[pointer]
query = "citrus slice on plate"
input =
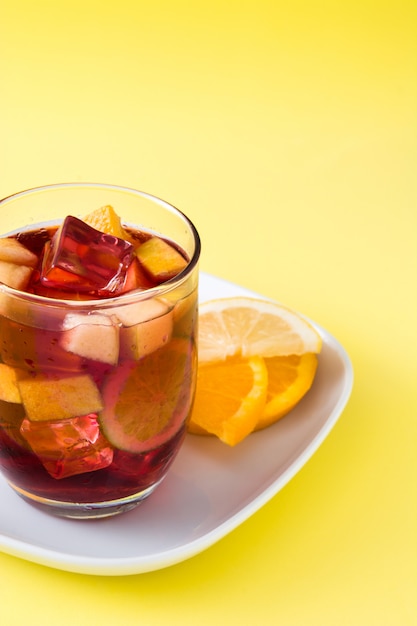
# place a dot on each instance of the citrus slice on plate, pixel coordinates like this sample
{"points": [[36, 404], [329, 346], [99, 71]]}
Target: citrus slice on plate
{"points": [[252, 327], [257, 359], [146, 402], [230, 396], [289, 379]]}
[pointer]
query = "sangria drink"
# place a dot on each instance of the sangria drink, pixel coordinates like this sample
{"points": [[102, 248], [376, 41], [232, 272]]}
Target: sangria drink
{"points": [[98, 314]]}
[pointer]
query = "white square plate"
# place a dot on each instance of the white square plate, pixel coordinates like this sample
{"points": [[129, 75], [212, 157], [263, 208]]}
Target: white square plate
{"points": [[210, 488]]}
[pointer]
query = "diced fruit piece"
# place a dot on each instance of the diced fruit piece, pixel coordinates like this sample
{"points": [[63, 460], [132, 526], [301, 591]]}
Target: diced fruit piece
{"points": [[15, 276], [230, 397], [57, 399], [161, 260], [146, 326], [15, 252], [106, 220], [11, 416], [136, 278], [91, 336], [11, 413], [81, 258], [248, 326], [142, 339], [68, 447], [289, 379], [138, 312], [9, 391], [11, 408], [146, 402]]}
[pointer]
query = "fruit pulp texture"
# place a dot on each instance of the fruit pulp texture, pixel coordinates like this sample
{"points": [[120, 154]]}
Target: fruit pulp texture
{"points": [[53, 443]]}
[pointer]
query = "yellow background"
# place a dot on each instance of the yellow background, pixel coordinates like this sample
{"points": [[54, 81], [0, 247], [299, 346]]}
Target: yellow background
{"points": [[287, 132]]}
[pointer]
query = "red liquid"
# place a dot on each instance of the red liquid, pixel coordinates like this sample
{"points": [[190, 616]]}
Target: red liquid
{"points": [[127, 475], [72, 458]]}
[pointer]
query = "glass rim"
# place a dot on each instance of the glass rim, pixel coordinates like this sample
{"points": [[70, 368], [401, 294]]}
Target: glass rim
{"points": [[136, 295]]}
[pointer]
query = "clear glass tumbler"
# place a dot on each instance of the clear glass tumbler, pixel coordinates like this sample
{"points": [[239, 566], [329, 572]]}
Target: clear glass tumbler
{"points": [[95, 393]]}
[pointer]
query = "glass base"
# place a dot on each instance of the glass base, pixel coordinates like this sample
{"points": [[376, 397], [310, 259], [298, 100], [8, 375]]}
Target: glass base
{"points": [[85, 510]]}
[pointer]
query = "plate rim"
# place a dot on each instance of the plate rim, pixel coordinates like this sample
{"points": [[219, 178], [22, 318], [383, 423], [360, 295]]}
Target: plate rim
{"points": [[111, 566]]}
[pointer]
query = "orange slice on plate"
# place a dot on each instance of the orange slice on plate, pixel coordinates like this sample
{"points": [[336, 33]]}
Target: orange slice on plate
{"points": [[252, 327], [289, 379], [257, 359], [229, 399]]}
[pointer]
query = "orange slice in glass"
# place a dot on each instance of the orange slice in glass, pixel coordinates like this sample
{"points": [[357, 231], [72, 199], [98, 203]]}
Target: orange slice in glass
{"points": [[146, 402]]}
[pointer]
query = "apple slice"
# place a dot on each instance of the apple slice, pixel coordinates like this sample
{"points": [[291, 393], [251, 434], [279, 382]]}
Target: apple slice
{"points": [[159, 259], [145, 327], [15, 276], [136, 277], [15, 252], [9, 391], [12, 411], [59, 398], [91, 336]]}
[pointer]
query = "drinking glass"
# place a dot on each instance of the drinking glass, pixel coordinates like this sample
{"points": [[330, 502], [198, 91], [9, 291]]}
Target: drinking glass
{"points": [[95, 394]]}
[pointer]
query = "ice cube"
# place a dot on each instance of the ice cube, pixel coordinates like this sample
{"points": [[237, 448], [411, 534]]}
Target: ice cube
{"points": [[83, 259], [68, 447]]}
